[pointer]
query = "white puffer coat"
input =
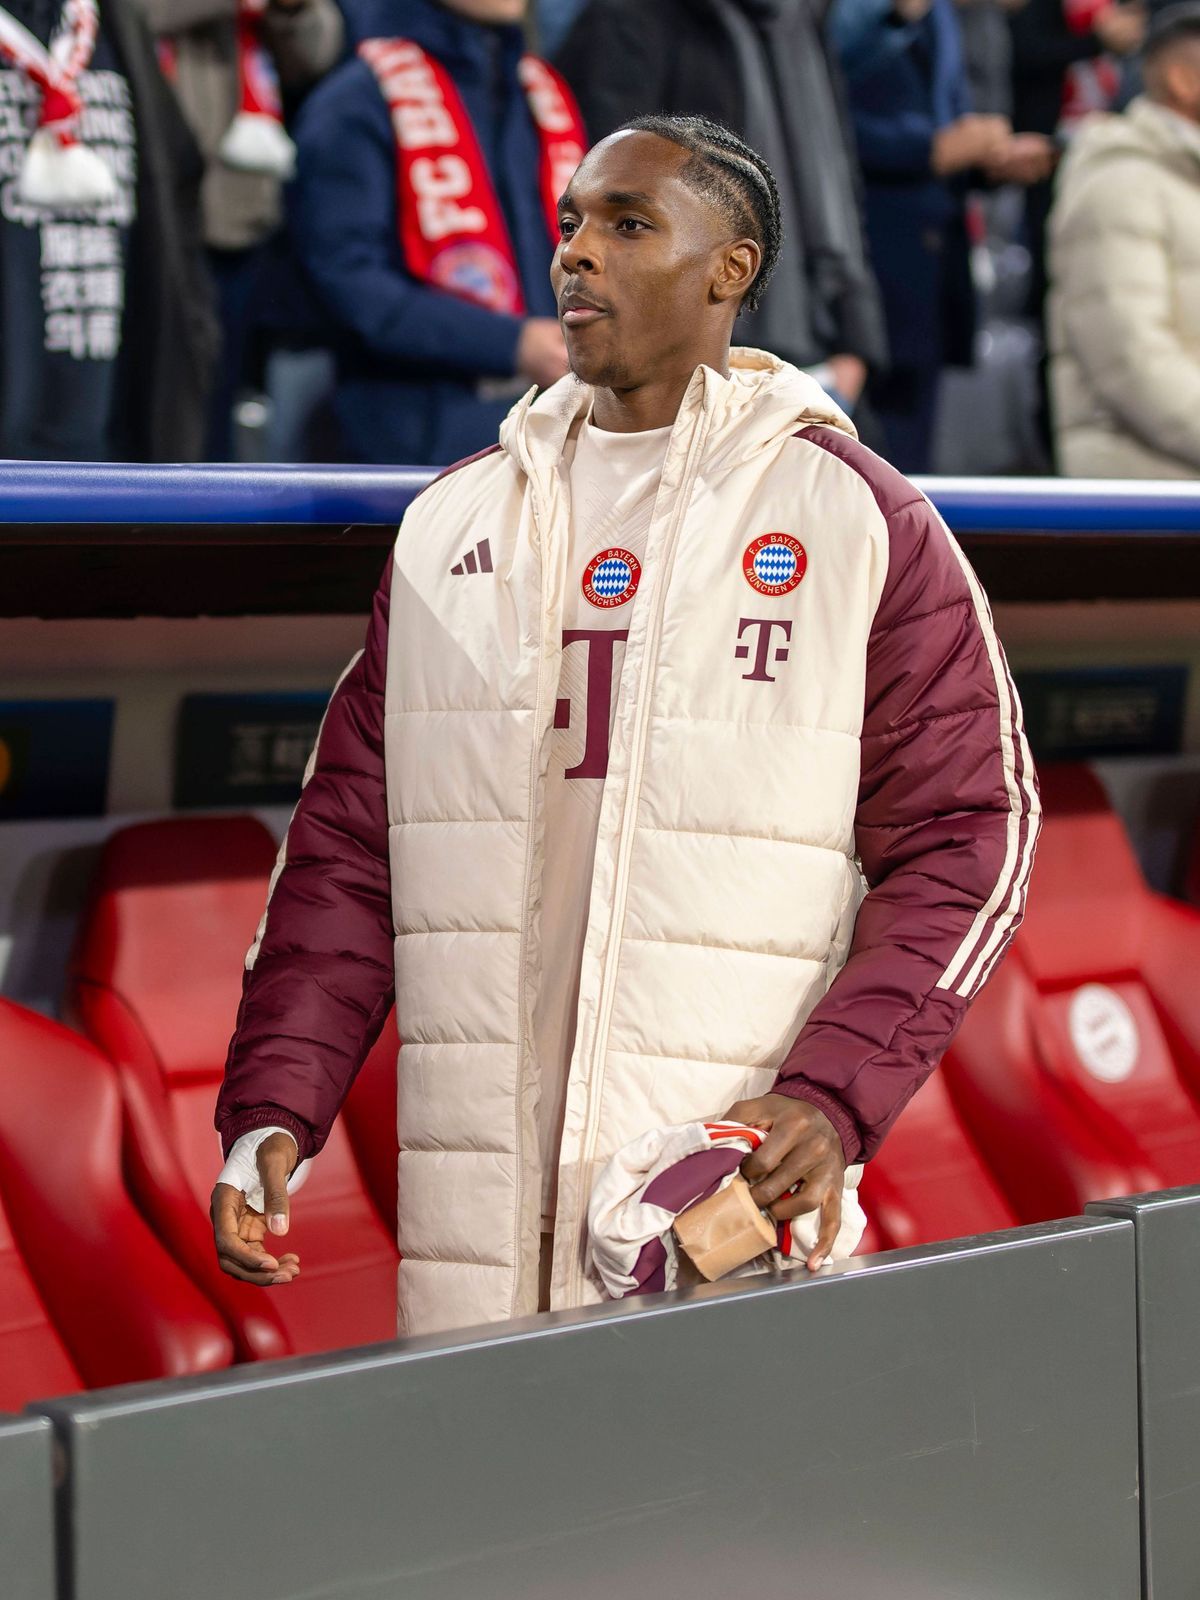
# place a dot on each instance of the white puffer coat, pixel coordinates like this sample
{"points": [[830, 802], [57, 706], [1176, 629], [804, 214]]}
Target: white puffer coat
{"points": [[725, 884], [1124, 306]]}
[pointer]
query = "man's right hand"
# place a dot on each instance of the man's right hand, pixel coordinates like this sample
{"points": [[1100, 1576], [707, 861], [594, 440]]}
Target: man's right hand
{"points": [[542, 352], [239, 1230], [969, 141]]}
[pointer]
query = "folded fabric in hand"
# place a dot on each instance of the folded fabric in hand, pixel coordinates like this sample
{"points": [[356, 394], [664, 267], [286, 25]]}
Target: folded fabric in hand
{"points": [[649, 1181]]}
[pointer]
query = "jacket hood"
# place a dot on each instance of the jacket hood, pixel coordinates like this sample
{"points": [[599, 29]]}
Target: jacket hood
{"points": [[763, 400], [1144, 129]]}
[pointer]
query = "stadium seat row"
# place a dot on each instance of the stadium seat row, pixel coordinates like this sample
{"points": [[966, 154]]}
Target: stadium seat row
{"points": [[1076, 1076]]}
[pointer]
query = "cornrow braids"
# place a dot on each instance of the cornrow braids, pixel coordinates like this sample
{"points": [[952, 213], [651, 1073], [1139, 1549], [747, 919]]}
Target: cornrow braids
{"points": [[733, 177]]}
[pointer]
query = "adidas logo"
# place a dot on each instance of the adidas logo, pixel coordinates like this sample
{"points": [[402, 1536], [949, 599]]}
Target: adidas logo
{"points": [[477, 560]]}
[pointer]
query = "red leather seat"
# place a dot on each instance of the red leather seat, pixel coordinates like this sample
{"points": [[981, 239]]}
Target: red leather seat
{"points": [[88, 1296], [1072, 1068], [928, 1181], [157, 980]]}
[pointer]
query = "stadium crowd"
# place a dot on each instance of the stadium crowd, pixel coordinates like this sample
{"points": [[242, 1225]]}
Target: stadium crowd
{"points": [[303, 230]]}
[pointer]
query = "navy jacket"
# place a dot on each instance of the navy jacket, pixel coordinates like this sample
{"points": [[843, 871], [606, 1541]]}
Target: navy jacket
{"points": [[409, 355], [904, 84]]}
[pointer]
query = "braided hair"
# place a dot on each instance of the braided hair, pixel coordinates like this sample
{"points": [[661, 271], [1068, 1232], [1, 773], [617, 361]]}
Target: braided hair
{"points": [[732, 177]]}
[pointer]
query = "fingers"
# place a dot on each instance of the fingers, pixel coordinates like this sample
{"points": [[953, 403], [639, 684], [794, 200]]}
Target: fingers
{"points": [[275, 1157], [831, 1221], [237, 1233], [782, 1161]]}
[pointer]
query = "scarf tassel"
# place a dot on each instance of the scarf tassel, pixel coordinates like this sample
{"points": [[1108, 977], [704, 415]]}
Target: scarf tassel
{"points": [[58, 172], [256, 140]]}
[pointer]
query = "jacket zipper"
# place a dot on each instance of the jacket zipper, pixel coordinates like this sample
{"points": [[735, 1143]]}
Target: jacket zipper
{"points": [[540, 522], [625, 838]]}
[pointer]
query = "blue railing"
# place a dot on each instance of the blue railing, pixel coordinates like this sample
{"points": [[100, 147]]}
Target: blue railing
{"points": [[39, 492]]}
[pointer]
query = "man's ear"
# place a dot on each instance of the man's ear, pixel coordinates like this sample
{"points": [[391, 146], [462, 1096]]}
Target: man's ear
{"points": [[737, 269]]}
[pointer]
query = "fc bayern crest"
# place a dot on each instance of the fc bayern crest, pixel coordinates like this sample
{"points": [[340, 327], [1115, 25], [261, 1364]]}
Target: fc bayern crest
{"points": [[774, 564], [478, 272], [611, 578]]}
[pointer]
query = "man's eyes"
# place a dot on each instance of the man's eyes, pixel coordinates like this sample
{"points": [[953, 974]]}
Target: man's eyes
{"points": [[568, 226]]}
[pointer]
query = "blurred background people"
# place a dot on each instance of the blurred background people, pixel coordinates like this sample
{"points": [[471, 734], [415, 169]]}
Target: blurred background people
{"points": [[108, 334], [1124, 308], [228, 63], [917, 139], [423, 215], [761, 67]]}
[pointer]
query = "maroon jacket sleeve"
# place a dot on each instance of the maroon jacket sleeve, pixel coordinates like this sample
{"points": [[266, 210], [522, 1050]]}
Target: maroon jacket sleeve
{"points": [[946, 824], [319, 980]]}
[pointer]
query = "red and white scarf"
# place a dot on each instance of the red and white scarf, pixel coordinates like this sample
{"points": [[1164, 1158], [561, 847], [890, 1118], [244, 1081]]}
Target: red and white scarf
{"points": [[1092, 85], [452, 229], [58, 171], [256, 140]]}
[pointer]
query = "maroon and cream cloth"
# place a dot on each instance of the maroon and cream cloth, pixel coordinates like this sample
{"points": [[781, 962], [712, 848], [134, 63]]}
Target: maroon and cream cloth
{"points": [[58, 172], [814, 835], [452, 227], [649, 1181]]}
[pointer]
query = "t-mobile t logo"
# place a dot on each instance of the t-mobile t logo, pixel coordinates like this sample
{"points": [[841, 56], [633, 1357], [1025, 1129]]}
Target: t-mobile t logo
{"points": [[596, 710], [765, 626]]}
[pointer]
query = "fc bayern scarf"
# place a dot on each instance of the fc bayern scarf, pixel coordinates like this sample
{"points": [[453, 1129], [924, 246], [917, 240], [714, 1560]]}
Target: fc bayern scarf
{"points": [[58, 171], [649, 1181], [1091, 85], [256, 140], [452, 230]]}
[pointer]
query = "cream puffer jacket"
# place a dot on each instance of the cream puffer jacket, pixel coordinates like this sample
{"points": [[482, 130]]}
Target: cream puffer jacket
{"points": [[771, 733], [1124, 306]]}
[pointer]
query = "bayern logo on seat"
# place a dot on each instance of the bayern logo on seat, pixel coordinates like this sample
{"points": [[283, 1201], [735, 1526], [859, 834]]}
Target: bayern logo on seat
{"points": [[774, 564], [611, 578]]}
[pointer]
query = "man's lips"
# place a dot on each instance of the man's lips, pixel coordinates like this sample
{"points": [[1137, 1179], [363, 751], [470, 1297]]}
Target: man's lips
{"points": [[577, 311]]}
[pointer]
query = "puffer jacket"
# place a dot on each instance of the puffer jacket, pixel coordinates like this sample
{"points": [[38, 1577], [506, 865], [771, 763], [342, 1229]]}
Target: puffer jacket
{"points": [[1124, 306], [765, 746]]}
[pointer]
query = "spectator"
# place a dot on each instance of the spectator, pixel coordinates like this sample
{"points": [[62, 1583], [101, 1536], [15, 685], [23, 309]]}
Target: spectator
{"points": [[107, 330], [916, 134], [428, 171], [227, 66], [1064, 67], [761, 68], [1124, 309]]}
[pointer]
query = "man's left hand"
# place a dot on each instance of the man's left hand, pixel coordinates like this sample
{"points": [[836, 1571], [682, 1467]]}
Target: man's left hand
{"points": [[800, 1166]]}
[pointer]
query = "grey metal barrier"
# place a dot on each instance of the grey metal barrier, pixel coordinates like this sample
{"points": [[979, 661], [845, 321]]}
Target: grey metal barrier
{"points": [[1167, 1234], [27, 1565], [952, 1422]]}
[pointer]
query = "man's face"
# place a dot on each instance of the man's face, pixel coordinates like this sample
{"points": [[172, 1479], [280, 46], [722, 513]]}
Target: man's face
{"points": [[492, 11], [637, 268]]}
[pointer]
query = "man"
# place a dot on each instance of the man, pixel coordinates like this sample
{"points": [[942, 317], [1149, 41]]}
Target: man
{"points": [[1124, 264], [761, 67], [421, 211], [640, 685], [108, 332]]}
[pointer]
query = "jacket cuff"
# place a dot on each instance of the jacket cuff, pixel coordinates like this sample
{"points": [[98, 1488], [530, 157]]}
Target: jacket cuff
{"points": [[847, 1128], [267, 1117]]}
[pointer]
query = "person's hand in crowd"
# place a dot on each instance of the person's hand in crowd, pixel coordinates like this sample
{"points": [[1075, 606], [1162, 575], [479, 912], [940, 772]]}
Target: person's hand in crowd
{"points": [[1121, 28], [239, 1230], [803, 1153], [542, 352], [1026, 158], [969, 141], [849, 376]]}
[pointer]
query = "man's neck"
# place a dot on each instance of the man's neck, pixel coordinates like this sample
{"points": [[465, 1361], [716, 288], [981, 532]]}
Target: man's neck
{"points": [[648, 405]]}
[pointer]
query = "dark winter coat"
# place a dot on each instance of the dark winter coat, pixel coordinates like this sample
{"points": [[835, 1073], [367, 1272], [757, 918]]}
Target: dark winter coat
{"points": [[411, 357]]}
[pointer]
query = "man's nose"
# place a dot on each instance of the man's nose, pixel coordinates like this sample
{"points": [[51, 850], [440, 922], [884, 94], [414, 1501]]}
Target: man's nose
{"points": [[579, 253]]}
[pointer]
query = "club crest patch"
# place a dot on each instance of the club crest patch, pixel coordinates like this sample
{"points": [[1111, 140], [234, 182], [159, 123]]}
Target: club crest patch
{"points": [[611, 578], [774, 563]]}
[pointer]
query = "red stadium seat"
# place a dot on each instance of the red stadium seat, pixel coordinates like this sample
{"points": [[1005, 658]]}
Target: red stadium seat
{"points": [[88, 1296], [157, 980], [928, 1181], [1072, 1070]]}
